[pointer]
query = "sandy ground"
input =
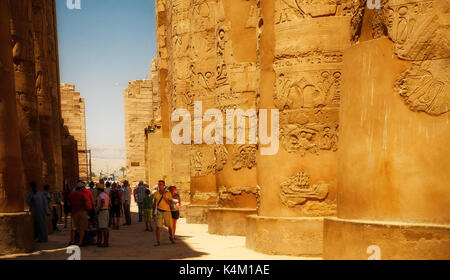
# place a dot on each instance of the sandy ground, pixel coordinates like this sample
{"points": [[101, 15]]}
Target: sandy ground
{"points": [[134, 243]]}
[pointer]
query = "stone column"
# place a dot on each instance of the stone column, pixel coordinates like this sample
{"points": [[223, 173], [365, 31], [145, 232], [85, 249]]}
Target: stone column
{"points": [[201, 73], [44, 90], [25, 84], [53, 64], [235, 88], [16, 226], [394, 164], [300, 57]]}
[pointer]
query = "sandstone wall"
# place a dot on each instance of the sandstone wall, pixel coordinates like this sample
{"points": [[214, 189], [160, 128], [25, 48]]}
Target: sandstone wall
{"points": [[73, 112], [138, 113]]}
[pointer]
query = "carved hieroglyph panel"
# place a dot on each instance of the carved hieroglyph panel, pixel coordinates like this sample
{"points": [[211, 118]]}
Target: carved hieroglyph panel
{"points": [[221, 154], [203, 160], [419, 29], [309, 101], [425, 87], [297, 190], [244, 156]]}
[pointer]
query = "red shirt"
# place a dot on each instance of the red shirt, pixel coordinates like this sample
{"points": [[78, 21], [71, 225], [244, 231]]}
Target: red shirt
{"points": [[78, 200], [88, 194]]}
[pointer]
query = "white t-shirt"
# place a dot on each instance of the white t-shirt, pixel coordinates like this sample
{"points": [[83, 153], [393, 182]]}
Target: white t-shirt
{"points": [[104, 196]]}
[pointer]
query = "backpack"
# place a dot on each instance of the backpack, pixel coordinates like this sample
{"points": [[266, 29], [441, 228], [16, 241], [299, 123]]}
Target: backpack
{"points": [[115, 198]]}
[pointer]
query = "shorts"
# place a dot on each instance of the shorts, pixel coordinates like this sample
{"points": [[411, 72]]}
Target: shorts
{"points": [[175, 215], [103, 218], [115, 210], [80, 221], [148, 215], [164, 218]]}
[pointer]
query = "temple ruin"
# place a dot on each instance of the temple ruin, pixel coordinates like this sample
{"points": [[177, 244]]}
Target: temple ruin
{"points": [[354, 86], [73, 113], [35, 144]]}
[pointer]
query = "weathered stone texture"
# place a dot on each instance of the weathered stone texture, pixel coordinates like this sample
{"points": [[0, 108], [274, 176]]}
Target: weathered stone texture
{"points": [[138, 113], [73, 112]]}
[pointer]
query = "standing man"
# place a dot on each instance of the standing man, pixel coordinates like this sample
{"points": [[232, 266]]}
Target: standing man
{"points": [[126, 202], [161, 202], [139, 194], [115, 196], [79, 202], [39, 210], [103, 216]]}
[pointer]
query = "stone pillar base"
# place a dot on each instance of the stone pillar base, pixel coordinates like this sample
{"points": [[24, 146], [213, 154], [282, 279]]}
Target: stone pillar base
{"points": [[198, 214], [350, 239], [285, 236], [229, 221], [16, 233]]}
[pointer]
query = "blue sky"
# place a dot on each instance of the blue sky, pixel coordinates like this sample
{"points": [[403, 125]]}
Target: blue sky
{"points": [[102, 47]]}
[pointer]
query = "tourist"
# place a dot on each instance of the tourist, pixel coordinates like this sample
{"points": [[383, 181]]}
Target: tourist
{"points": [[103, 214], [115, 196], [80, 205], [108, 192], [93, 190], [52, 207], [147, 204], [39, 210], [80, 184], [139, 194], [126, 202], [90, 198], [57, 196], [161, 202], [175, 208], [67, 208]]}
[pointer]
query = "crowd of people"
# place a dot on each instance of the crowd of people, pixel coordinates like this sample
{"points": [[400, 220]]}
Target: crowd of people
{"points": [[96, 208]]}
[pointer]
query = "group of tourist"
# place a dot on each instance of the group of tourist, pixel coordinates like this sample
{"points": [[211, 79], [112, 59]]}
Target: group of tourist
{"points": [[96, 208]]}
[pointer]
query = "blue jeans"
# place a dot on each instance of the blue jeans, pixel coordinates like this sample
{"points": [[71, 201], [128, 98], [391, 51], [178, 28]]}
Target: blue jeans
{"points": [[141, 210]]}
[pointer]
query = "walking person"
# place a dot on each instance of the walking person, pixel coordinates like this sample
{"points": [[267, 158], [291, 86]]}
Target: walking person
{"points": [[103, 204], [39, 211], [79, 202], [139, 194], [126, 202], [115, 196], [161, 202], [175, 208], [147, 205]]}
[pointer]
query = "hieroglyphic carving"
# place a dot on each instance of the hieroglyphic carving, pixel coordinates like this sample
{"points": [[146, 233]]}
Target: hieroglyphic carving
{"points": [[310, 100], [425, 86], [203, 161], [221, 154], [244, 156], [417, 28], [297, 189]]}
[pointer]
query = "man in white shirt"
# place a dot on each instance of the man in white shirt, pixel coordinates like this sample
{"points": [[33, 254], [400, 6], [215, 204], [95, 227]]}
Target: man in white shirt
{"points": [[103, 217]]}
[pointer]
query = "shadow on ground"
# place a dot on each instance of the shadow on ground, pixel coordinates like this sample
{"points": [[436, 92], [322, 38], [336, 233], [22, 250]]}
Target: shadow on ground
{"points": [[127, 243]]}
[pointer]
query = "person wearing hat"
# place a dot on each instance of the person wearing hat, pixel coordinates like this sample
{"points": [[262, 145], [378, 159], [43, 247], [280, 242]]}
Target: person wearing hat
{"points": [[103, 216]]}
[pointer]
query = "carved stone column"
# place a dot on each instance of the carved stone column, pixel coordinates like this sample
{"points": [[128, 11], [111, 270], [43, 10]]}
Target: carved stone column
{"points": [[16, 226], [300, 51], [236, 85], [44, 90], [25, 84], [394, 165]]}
